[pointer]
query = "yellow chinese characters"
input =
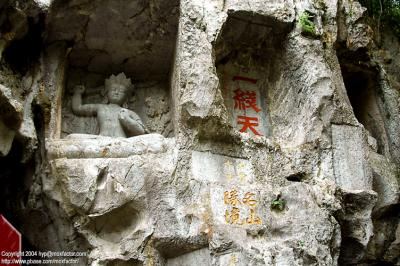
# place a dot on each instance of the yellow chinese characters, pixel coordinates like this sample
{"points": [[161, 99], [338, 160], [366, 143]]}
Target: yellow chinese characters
{"points": [[231, 171], [232, 216]]}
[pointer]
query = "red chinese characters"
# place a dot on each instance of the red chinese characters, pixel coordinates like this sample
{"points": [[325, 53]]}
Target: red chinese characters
{"points": [[248, 123], [246, 100]]}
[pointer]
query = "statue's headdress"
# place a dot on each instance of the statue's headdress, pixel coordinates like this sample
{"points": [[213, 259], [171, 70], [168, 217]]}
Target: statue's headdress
{"points": [[119, 79]]}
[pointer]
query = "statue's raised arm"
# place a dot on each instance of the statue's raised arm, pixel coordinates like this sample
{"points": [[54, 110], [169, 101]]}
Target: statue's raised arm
{"points": [[82, 109]]}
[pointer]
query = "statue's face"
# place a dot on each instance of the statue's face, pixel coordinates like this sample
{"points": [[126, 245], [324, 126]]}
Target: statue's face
{"points": [[117, 94]]}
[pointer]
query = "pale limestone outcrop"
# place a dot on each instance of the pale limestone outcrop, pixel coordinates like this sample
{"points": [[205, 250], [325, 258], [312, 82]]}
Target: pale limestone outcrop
{"points": [[102, 190], [266, 146]]}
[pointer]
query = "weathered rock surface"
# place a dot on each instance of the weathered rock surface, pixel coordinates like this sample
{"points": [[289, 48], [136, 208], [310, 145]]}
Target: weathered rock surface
{"points": [[266, 146], [11, 117]]}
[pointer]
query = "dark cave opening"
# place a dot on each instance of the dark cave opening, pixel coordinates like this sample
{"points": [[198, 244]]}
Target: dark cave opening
{"points": [[353, 252], [17, 179], [13, 193], [10, 176], [365, 93], [22, 32], [23, 53], [362, 88]]}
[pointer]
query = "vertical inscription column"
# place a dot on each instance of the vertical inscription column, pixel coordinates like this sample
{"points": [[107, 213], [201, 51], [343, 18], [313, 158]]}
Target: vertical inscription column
{"points": [[236, 198], [249, 203], [246, 109], [246, 103]]}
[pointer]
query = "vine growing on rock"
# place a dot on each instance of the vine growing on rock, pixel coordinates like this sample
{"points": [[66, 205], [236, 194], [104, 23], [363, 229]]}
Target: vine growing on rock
{"points": [[384, 13]]}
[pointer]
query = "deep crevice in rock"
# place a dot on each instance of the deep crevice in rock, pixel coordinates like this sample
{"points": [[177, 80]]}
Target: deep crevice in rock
{"points": [[22, 54], [15, 188], [362, 85], [352, 252], [299, 177]]}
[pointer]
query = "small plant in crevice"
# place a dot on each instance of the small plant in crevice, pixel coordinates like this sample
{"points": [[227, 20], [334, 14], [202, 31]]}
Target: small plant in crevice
{"points": [[278, 204], [307, 24], [300, 243]]}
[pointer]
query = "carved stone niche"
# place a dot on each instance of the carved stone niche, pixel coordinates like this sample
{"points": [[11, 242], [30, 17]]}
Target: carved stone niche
{"points": [[92, 44], [247, 52], [148, 101], [118, 42], [366, 99]]}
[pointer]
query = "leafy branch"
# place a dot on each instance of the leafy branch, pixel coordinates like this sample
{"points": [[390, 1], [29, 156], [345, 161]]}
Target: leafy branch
{"points": [[384, 13]]}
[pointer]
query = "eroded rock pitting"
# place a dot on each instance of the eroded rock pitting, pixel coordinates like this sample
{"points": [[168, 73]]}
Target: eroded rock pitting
{"points": [[264, 144]]}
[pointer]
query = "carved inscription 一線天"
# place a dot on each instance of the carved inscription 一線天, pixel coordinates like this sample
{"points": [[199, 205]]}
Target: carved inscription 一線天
{"points": [[245, 101]]}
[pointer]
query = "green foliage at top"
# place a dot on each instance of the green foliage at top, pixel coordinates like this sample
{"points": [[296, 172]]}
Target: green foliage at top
{"points": [[385, 12], [307, 24]]}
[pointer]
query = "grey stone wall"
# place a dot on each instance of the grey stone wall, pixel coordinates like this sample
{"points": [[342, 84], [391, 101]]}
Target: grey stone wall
{"points": [[317, 186]]}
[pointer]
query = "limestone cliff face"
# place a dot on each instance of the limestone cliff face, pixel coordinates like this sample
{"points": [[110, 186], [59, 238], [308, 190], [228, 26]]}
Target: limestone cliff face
{"points": [[269, 143]]}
